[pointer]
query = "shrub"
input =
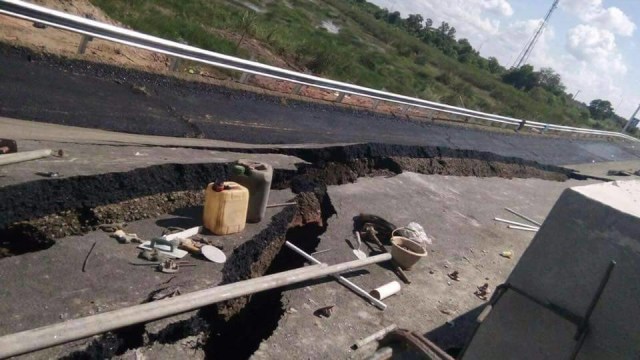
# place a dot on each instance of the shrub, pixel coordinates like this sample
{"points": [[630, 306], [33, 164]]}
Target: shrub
{"points": [[445, 78]]}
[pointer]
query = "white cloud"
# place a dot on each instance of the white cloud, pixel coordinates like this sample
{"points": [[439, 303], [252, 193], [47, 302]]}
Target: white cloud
{"points": [[590, 60], [500, 7], [593, 12], [469, 17], [596, 46]]}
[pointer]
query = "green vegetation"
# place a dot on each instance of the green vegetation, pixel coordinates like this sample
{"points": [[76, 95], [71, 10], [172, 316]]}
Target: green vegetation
{"points": [[374, 48]]}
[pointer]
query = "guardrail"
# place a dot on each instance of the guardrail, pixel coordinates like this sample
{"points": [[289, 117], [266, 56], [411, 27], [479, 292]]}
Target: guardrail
{"points": [[91, 28]]}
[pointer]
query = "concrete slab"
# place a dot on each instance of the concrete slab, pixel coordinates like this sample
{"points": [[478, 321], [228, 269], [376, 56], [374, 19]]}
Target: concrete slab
{"points": [[587, 229], [92, 159], [542, 338], [48, 286], [457, 212]]}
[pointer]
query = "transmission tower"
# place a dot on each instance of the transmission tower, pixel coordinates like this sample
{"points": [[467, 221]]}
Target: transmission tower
{"points": [[526, 51]]}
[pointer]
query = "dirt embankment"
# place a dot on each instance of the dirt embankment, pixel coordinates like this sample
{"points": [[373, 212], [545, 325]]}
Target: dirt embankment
{"points": [[64, 43]]}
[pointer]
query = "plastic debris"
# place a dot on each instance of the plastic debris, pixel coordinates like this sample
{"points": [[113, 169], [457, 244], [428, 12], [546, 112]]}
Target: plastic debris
{"points": [[125, 238], [213, 254], [168, 266], [151, 255], [112, 227], [49, 174], [415, 232]]}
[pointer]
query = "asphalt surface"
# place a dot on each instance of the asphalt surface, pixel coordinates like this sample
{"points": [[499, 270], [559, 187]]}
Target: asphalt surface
{"points": [[49, 89]]}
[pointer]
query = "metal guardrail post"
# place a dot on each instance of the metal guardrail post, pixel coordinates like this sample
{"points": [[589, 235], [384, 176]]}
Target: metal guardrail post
{"points": [[405, 109], [82, 47], [245, 77], [340, 97], [174, 64], [296, 89], [521, 126], [376, 102]]}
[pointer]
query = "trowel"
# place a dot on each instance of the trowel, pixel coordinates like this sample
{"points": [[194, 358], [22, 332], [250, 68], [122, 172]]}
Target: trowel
{"points": [[163, 246], [357, 252]]}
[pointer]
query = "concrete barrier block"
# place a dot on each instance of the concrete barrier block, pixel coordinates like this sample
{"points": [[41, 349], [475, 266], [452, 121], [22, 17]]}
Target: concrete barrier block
{"points": [[588, 228]]}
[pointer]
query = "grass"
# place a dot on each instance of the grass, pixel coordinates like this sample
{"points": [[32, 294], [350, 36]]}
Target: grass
{"points": [[366, 51]]}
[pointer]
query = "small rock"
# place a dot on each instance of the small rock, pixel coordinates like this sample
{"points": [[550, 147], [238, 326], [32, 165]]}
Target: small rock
{"points": [[325, 311], [292, 310], [455, 276], [507, 254], [482, 292], [446, 311]]}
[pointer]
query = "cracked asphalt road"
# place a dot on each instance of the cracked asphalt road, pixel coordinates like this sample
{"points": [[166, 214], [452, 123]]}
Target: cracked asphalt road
{"points": [[71, 92]]}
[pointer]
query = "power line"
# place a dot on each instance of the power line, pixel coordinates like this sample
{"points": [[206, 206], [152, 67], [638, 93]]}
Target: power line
{"points": [[526, 51]]}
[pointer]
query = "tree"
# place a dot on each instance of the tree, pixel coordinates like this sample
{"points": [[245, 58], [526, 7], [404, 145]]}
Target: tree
{"points": [[600, 109], [428, 23], [494, 66], [451, 34], [381, 14], [394, 18], [551, 81], [443, 29], [414, 23], [523, 78]]}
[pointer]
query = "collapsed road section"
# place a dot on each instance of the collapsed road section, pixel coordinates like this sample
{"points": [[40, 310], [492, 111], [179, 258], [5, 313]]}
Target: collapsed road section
{"points": [[60, 262]]}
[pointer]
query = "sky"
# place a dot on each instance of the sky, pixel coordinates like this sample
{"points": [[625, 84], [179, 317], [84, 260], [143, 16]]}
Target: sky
{"points": [[593, 44]]}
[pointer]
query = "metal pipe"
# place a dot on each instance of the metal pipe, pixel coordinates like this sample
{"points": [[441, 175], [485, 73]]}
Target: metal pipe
{"points": [[281, 205], [341, 279], [524, 217], [7, 159], [522, 228], [58, 19], [515, 223], [47, 336]]}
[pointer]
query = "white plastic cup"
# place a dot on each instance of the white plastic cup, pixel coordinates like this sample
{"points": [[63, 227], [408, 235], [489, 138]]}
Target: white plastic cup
{"points": [[386, 290]]}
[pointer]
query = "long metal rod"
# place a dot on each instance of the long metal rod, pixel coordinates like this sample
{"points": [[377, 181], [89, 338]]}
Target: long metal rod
{"points": [[58, 19], [594, 301], [523, 217], [47, 336], [522, 228], [341, 279], [515, 223], [373, 337]]}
